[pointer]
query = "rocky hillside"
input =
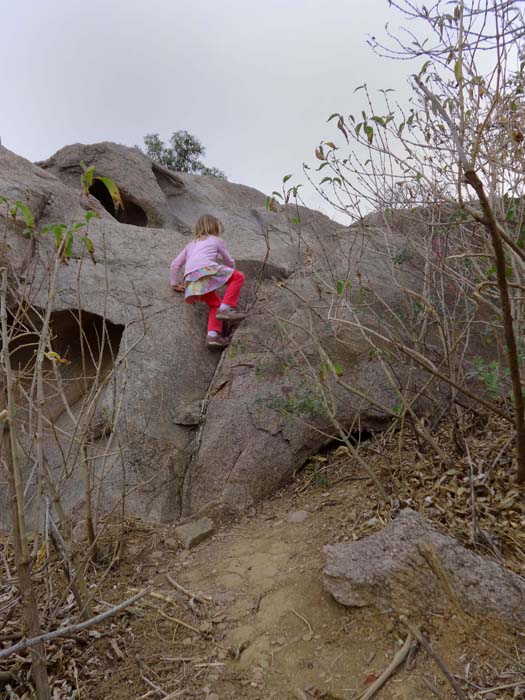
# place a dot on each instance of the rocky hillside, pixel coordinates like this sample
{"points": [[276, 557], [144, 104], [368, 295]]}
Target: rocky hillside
{"points": [[177, 429]]}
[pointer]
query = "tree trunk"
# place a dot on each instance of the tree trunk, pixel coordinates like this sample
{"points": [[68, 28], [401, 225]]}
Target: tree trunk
{"points": [[491, 225]]}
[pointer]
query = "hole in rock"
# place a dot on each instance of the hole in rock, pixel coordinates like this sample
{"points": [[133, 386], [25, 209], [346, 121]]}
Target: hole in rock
{"points": [[356, 437], [86, 344], [131, 213]]}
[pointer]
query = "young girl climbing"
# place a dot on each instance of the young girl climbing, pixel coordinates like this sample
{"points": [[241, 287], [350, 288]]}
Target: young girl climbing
{"points": [[203, 275]]}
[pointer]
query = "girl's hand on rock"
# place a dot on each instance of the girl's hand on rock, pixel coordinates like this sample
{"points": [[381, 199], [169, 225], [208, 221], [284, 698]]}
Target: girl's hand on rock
{"points": [[178, 287]]}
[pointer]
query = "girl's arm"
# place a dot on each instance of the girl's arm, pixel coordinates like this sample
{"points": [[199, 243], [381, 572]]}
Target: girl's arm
{"points": [[176, 265], [225, 255]]}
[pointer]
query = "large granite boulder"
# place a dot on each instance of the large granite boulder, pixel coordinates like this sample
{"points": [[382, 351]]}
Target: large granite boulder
{"points": [[411, 568], [185, 429]]}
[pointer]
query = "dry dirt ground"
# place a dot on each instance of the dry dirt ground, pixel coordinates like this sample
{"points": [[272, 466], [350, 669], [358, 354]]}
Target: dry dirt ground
{"points": [[270, 630], [255, 622]]}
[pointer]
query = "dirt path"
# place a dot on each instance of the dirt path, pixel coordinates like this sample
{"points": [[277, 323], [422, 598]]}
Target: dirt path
{"points": [[270, 630], [284, 629]]}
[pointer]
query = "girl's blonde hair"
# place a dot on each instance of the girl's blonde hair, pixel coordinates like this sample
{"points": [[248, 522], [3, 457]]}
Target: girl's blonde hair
{"points": [[207, 225]]}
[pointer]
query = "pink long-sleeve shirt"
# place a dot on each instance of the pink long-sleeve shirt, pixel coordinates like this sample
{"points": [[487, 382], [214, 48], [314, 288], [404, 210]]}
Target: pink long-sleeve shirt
{"points": [[201, 253]]}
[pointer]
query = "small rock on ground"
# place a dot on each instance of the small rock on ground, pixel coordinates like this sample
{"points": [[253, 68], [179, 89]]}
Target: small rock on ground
{"points": [[297, 516], [194, 532]]}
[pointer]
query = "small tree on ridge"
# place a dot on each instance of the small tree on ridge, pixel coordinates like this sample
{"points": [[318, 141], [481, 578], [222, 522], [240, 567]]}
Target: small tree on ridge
{"points": [[182, 153]]}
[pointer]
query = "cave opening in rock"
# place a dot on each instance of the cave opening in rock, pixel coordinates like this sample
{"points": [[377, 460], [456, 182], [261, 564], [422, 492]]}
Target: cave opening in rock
{"points": [[86, 347], [355, 437], [130, 213], [78, 334]]}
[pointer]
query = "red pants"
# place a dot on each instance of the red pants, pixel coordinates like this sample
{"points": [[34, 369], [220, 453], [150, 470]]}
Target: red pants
{"points": [[231, 297]]}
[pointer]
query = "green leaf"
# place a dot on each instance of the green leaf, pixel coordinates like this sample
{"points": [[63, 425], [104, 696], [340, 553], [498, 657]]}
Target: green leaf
{"points": [[360, 87], [338, 369], [323, 165], [458, 70], [379, 120], [90, 215], [26, 214], [341, 285], [277, 194], [113, 191], [338, 180], [57, 230], [68, 248], [87, 176], [333, 116], [58, 234], [325, 179], [286, 178], [3, 199], [88, 243], [295, 220], [369, 133]]}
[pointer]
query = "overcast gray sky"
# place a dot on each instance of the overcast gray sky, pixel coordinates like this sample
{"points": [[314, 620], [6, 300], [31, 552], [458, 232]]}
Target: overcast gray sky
{"points": [[254, 81]]}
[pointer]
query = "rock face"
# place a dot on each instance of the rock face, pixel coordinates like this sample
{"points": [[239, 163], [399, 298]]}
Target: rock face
{"points": [[179, 429], [396, 569]]}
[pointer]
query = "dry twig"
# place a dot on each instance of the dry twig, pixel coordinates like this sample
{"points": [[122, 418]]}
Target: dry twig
{"points": [[196, 596], [72, 629], [414, 629], [389, 671]]}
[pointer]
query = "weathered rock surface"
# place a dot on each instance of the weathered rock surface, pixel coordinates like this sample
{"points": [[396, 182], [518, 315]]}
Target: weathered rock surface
{"points": [[392, 569], [176, 429]]}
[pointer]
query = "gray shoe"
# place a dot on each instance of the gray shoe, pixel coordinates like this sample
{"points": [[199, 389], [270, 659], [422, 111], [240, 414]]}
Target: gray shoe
{"points": [[216, 342], [231, 315]]}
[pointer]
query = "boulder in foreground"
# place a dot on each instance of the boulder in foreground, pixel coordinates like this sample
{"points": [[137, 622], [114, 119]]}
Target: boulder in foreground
{"points": [[413, 569]]}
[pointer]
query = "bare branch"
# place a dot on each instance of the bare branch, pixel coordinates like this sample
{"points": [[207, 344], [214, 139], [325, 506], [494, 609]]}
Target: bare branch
{"points": [[72, 629]]}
